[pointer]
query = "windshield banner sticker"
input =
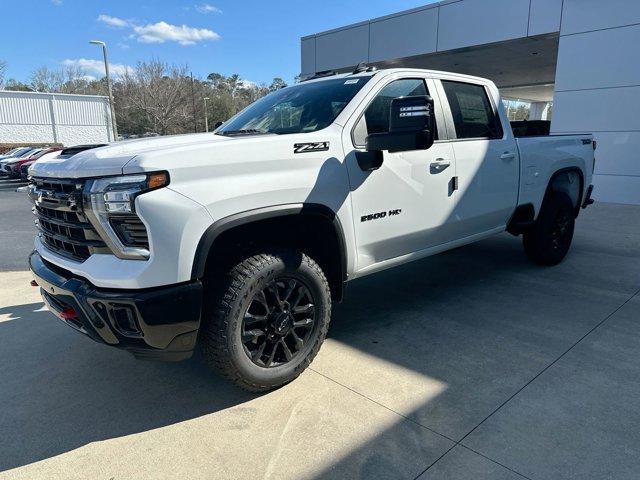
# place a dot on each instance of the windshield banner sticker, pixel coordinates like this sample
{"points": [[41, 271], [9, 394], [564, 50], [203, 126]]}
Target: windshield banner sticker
{"points": [[310, 147]]}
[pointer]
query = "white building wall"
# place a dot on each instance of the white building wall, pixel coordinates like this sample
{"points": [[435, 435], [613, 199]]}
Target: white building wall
{"points": [[598, 90], [28, 117], [544, 16], [420, 35], [437, 27], [476, 22]]}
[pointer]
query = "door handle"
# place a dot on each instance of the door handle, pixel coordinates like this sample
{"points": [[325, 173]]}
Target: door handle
{"points": [[507, 156], [439, 164]]}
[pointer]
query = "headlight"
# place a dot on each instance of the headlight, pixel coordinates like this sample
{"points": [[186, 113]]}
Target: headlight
{"points": [[111, 211]]}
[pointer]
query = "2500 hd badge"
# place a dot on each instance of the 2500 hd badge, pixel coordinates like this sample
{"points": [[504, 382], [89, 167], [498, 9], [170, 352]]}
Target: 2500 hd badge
{"points": [[380, 215]]}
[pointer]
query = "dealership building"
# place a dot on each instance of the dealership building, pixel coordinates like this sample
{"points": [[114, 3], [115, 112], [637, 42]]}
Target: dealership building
{"points": [[576, 61], [53, 118]]}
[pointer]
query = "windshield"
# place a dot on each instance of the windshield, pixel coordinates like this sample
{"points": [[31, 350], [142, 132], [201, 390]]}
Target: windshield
{"points": [[21, 151], [303, 108]]}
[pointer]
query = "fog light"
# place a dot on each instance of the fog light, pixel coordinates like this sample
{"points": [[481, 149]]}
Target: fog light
{"points": [[68, 313]]}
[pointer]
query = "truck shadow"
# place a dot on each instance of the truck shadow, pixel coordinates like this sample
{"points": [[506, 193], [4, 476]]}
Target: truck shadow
{"points": [[96, 393], [92, 393]]}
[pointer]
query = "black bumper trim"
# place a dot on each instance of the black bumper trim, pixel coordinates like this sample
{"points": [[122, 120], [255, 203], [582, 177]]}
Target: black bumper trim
{"points": [[166, 319]]}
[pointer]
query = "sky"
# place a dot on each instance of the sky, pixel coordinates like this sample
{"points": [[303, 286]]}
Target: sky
{"points": [[258, 40]]}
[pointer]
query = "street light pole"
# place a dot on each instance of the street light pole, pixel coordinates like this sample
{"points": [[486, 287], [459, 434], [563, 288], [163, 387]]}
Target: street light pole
{"points": [[111, 103], [206, 115]]}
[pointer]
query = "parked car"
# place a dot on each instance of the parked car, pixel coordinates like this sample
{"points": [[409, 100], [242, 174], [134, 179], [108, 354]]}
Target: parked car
{"points": [[24, 170], [60, 155], [8, 162], [13, 167], [10, 153], [17, 153], [238, 242]]}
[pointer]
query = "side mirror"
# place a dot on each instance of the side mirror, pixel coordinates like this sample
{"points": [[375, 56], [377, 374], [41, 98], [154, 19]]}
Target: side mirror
{"points": [[411, 126], [217, 125]]}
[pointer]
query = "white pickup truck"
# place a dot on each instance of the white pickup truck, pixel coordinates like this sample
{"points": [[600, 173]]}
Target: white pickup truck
{"points": [[238, 241]]}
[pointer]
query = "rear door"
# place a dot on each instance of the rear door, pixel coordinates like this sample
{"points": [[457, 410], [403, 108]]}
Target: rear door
{"points": [[406, 205], [487, 163]]}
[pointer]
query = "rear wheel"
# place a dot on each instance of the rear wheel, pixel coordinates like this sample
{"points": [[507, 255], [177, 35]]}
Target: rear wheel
{"points": [[266, 320], [548, 241]]}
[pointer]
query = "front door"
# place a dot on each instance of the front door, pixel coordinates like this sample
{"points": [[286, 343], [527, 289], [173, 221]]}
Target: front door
{"points": [[405, 206]]}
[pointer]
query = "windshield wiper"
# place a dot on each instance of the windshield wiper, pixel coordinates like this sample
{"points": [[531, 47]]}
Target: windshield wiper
{"points": [[248, 131]]}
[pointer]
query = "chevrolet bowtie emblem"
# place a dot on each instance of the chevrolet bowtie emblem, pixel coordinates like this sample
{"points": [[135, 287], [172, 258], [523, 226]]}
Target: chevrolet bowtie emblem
{"points": [[44, 194]]}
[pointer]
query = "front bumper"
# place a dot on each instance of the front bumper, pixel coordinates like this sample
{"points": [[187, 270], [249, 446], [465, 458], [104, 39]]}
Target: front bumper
{"points": [[157, 324]]}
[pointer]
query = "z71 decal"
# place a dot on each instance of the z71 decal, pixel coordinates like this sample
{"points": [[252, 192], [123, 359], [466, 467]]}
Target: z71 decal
{"points": [[310, 147]]}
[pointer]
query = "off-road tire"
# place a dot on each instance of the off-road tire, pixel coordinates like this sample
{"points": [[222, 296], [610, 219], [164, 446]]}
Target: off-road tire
{"points": [[226, 302], [548, 241]]}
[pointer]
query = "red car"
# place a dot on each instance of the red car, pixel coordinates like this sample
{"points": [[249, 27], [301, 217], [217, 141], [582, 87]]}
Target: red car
{"points": [[13, 168]]}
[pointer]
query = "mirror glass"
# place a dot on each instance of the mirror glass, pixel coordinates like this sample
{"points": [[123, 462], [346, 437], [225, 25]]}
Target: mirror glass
{"points": [[411, 126]]}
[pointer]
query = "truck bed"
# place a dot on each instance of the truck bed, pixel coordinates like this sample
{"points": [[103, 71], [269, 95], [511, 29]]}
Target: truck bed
{"points": [[543, 156]]}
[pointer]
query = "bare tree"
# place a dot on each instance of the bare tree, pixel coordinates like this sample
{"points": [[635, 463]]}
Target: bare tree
{"points": [[45, 80], [158, 94]]}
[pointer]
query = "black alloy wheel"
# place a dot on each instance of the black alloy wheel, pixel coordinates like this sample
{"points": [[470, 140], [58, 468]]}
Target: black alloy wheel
{"points": [[278, 322], [265, 319], [548, 241]]}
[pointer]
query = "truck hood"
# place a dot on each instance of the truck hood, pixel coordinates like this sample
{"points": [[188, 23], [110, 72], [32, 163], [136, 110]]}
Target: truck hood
{"points": [[110, 160]]}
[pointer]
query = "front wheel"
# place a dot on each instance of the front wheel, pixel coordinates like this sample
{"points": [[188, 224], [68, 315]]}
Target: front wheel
{"points": [[548, 241], [266, 320]]}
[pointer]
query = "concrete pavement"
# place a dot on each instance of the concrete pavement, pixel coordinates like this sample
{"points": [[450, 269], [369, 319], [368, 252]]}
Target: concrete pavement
{"points": [[473, 364]]}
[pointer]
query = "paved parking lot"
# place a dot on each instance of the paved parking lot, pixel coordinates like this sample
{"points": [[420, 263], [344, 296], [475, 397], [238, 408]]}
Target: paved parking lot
{"points": [[16, 226], [473, 364]]}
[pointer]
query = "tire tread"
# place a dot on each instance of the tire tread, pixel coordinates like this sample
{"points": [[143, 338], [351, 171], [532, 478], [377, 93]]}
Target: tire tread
{"points": [[222, 310]]}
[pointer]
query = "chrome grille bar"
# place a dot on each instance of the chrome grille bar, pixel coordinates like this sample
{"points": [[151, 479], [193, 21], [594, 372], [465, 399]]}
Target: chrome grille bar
{"points": [[63, 227]]}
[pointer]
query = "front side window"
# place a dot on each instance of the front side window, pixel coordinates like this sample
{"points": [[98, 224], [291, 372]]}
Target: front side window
{"points": [[473, 115], [376, 116], [303, 108]]}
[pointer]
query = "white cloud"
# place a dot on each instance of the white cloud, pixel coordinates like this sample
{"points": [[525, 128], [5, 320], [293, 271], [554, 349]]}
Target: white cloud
{"points": [[113, 21], [96, 67], [57, 3], [206, 8], [164, 32]]}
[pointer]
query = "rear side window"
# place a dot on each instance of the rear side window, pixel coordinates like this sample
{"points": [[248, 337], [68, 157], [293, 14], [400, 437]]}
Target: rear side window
{"points": [[473, 114]]}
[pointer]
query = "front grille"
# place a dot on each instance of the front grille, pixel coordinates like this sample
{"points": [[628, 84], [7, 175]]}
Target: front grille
{"points": [[64, 229]]}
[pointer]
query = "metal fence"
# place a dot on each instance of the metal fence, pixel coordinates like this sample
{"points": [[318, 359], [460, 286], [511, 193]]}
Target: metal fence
{"points": [[28, 117]]}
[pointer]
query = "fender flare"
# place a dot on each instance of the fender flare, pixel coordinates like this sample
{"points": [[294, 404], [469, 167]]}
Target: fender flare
{"points": [[581, 186], [243, 218]]}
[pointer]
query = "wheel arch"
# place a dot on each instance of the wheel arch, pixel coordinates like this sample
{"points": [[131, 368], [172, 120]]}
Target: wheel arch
{"points": [[271, 220], [564, 181]]}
